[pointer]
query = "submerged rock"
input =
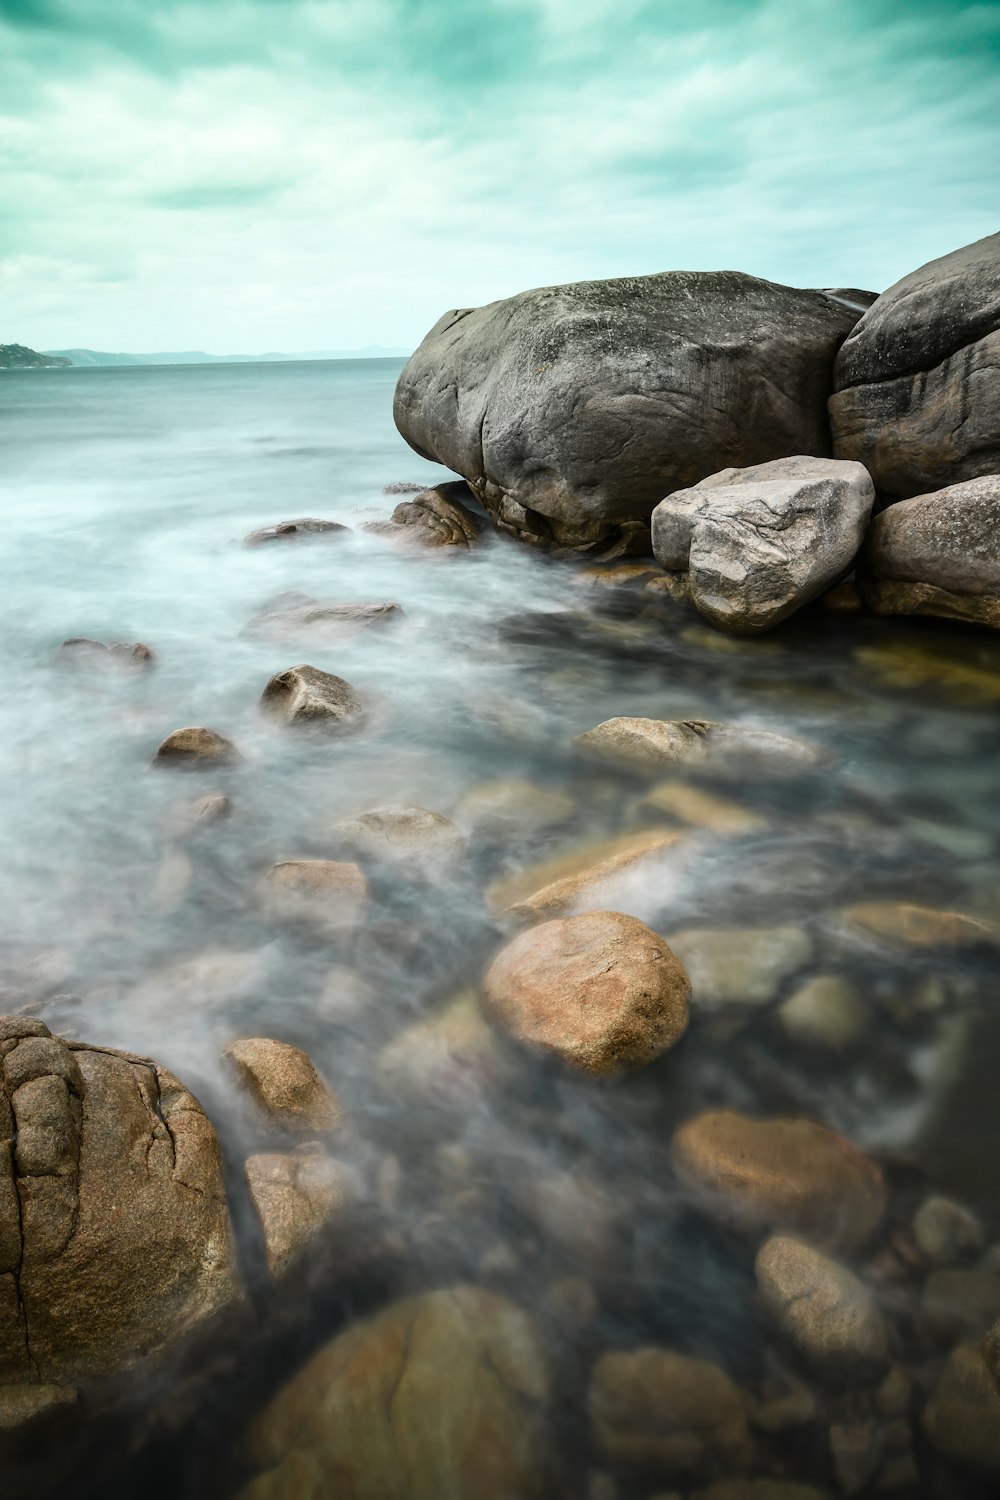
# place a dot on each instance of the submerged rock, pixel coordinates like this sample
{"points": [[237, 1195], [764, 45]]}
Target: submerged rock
{"points": [[298, 1198], [728, 750], [286, 531], [703, 810], [293, 616], [115, 1241], [663, 1411], [826, 1012], [600, 991], [305, 695], [937, 554], [284, 1082], [614, 880], [408, 837], [325, 894], [916, 380], [758, 543], [127, 655], [511, 808], [962, 1417], [451, 1057], [441, 1395], [902, 924], [789, 1174], [575, 871], [201, 812], [572, 410], [828, 1314], [196, 749], [742, 966]]}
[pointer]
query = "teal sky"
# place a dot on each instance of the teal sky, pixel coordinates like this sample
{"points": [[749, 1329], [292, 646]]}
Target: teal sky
{"points": [[242, 175]]}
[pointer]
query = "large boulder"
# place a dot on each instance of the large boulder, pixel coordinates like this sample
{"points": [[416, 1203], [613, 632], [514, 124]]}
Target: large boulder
{"points": [[115, 1240], [572, 410], [440, 1397], [918, 381], [937, 554], [756, 544]]}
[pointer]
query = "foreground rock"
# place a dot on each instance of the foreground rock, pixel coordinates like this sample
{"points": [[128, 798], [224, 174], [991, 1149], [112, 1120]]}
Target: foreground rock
{"points": [[937, 554], [572, 410], [663, 1411], [292, 616], [826, 1312], [600, 991], [756, 544], [437, 517], [410, 838], [305, 695], [284, 1083], [726, 750], [440, 1395], [115, 1241], [300, 1199], [196, 749], [916, 381], [286, 531], [781, 1174], [325, 895]]}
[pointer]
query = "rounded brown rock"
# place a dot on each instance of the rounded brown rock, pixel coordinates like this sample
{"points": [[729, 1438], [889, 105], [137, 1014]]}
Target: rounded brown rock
{"points": [[196, 747], [601, 991]]}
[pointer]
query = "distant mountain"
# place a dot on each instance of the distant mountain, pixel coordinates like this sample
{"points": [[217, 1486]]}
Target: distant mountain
{"points": [[20, 357], [199, 357]]}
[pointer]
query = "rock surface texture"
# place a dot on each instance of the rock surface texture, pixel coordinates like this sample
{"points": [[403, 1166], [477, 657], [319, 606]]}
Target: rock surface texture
{"points": [[285, 1085], [572, 410], [286, 531], [437, 517], [918, 380], [722, 750], [937, 554], [440, 1397], [196, 748], [115, 1239], [826, 1312], [306, 695], [758, 543]]}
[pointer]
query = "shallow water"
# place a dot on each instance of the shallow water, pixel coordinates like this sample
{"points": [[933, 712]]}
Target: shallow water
{"points": [[126, 494]]}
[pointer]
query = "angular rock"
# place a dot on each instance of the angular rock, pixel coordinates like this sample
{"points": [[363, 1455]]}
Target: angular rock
{"points": [[440, 1395], [284, 1083], [286, 531], [439, 517], [740, 966], [298, 1198], [120, 1247], [409, 837], [962, 1418], [196, 749], [828, 1314], [727, 750], [572, 410], [660, 1410], [600, 991], [305, 695], [781, 1174], [916, 381], [937, 554], [758, 543], [326, 895], [295, 616]]}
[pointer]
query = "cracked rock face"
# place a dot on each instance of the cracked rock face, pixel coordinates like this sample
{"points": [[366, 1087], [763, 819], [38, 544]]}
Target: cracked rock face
{"points": [[115, 1238], [440, 1397], [918, 380], [572, 410], [758, 543], [438, 517]]}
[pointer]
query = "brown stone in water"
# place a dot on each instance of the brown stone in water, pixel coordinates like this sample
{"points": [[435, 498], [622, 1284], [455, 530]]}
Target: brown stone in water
{"points": [[298, 1198], [284, 1082], [197, 748], [547, 889], [305, 695], [285, 531], [325, 894], [600, 991], [911, 926]]}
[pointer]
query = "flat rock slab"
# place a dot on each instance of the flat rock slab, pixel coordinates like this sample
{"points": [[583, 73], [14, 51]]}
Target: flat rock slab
{"points": [[293, 616], [288, 531]]}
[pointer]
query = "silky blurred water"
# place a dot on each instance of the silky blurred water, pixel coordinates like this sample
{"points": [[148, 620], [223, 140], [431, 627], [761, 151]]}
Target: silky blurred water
{"points": [[125, 498]]}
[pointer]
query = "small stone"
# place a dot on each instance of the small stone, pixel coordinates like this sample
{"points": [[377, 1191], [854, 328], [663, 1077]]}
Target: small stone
{"points": [[202, 812], [572, 1214], [892, 1399], [305, 695], [796, 1408], [843, 599], [284, 1083], [345, 995], [410, 838], [962, 1418], [287, 531], [599, 991], [325, 894], [197, 748], [826, 1012], [739, 966], [437, 517], [573, 1303], [827, 1313], [946, 1233]]}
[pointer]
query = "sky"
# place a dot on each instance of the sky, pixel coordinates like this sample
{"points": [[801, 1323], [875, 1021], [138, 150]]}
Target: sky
{"points": [[249, 175]]}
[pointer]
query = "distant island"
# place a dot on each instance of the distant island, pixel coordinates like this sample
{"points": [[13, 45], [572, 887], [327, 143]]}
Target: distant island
{"points": [[20, 357], [90, 357]]}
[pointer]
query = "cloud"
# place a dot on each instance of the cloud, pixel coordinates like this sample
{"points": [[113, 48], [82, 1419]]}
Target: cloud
{"points": [[247, 174]]}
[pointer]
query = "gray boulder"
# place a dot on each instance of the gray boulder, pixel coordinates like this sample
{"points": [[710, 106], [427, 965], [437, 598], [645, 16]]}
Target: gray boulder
{"points": [[937, 554], [756, 544], [572, 410], [918, 381]]}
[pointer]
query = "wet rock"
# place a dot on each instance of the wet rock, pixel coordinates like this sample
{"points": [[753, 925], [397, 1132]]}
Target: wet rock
{"points": [[573, 410], [284, 1083], [299, 1198], [437, 517], [827, 1313], [123, 655], [617, 879], [758, 543], [787, 1174], [411, 838], [442, 1394], [708, 748], [962, 1418], [196, 748], [937, 554], [305, 695], [288, 531], [326, 895], [700, 809], [625, 575], [295, 616], [741, 966], [827, 1012], [901, 924], [574, 864], [946, 1232], [449, 1058], [663, 1411], [115, 1242], [200, 813], [572, 1215], [916, 390], [512, 809], [599, 991]]}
